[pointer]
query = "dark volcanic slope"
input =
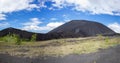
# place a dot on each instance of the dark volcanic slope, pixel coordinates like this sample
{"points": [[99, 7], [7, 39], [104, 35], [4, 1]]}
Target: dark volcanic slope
{"points": [[78, 28], [21, 33]]}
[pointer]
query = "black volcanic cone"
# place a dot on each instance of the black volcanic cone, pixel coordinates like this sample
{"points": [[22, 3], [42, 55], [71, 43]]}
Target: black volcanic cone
{"points": [[81, 28]]}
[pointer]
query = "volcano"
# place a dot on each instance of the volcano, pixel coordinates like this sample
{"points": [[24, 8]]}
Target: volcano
{"points": [[81, 28], [72, 29]]}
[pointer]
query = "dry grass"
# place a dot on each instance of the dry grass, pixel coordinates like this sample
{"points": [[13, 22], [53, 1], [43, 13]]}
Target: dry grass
{"points": [[59, 47]]}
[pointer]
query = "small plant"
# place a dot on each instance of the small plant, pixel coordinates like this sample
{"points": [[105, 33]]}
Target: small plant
{"points": [[33, 38], [6, 38], [106, 39], [100, 36], [18, 41]]}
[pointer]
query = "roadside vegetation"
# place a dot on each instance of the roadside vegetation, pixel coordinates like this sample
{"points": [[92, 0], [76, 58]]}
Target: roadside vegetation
{"points": [[56, 47]]}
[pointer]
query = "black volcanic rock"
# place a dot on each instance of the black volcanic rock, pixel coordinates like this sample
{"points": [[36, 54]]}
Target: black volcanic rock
{"points": [[81, 28]]}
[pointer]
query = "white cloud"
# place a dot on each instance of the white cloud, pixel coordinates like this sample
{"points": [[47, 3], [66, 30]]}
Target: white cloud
{"points": [[53, 19], [54, 24], [110, 7], [2, 17], [115, 26], [50, 26], [4, 24], [42, 3], [33, 22], [34, 25], [8, 6], [66, 17]]}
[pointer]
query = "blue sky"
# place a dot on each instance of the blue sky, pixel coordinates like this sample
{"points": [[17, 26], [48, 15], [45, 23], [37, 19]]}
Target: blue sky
{"points": [[44, 15]]}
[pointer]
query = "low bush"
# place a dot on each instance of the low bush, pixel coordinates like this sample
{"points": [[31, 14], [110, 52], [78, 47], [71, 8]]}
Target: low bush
{"points": [[11, 38], [33, 38]]}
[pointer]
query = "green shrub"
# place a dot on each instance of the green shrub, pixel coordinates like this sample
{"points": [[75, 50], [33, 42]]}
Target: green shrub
{"points": [[18, 41], [33, 38], [5, 38], [11, 38], [107, 39]]}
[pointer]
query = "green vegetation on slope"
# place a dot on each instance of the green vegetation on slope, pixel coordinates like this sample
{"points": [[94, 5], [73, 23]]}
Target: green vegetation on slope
{"points": [[13, 38], [59, 47]]}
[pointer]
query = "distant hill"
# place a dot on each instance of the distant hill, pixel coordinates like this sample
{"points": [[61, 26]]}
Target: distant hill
{"points": [[74, 28], [21, 33], [81, 28]]}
